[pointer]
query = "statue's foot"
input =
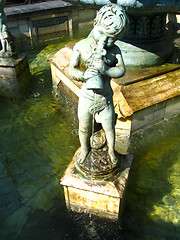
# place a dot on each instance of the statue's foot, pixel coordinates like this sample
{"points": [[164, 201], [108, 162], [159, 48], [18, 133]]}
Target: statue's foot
{"points": [[113, 158], [82, 156]]}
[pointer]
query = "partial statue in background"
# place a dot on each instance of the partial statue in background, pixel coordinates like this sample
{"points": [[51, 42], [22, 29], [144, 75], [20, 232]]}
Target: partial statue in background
{"points": [[95, 60], [7, 45], [6, 41], [2, 14]]}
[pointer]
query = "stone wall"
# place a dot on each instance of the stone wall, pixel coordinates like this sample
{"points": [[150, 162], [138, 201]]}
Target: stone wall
{"points": [[34, 20]]}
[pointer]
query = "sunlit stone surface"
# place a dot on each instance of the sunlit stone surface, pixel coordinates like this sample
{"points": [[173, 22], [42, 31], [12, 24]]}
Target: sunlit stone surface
{"points": [[142, 97], [101, 198]]}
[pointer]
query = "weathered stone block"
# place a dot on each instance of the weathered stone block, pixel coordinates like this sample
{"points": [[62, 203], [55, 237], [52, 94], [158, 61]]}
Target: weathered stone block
{"points": [[172, 107], [101, 198], [23, 27], [14, 76]]}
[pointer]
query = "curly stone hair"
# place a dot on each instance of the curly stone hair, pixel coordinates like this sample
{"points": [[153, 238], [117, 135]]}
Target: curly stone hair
{"points": [[112, 20]]}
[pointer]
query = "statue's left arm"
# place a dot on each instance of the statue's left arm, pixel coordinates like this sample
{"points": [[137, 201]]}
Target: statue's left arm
{"points": [[118, 70]]}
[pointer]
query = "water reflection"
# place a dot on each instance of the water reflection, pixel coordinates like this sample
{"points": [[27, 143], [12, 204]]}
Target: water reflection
{"points": [[152, 202], [39, 136]]}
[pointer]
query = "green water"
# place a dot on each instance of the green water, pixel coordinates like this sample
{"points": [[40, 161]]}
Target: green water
{"points": [[38, 137]]}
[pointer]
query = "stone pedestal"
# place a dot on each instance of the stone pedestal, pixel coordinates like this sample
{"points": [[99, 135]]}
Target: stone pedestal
{"points": [[14, 76], [101, 198]]}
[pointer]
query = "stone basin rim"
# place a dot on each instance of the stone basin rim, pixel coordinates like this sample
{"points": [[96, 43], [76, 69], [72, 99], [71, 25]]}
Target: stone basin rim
{"points": [[134, 6]]}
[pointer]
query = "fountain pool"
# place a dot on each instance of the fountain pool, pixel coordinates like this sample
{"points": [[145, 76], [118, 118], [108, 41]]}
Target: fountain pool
{"points": [[39, 136]]}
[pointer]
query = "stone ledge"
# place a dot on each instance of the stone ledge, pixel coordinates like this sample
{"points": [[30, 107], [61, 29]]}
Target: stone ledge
{"points": [[139, 100], [137, 90], [33, 9]]}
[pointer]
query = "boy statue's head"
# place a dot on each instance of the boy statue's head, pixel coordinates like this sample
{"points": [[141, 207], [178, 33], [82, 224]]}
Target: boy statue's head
{"points": [[111, 21]]}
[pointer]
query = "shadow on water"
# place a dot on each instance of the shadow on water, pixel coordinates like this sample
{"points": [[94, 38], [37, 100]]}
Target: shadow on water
{"points": [[37, 142]]}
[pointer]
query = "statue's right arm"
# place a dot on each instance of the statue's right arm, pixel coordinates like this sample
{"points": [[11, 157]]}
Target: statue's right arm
{"points": [[74, 71]]}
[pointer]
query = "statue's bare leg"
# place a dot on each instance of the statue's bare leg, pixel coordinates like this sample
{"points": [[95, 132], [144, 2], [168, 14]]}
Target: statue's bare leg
{"points": [[108, 124], [85, 128], [110, 135], [84, 138]]}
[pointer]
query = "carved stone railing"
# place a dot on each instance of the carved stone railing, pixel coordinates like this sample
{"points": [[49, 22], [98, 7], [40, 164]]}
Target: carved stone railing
{"points": [[20, 2], [148, 41]]}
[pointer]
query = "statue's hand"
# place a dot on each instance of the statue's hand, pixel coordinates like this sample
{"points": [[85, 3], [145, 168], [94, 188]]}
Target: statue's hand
{"points": [[99, 64], [90, 73]]}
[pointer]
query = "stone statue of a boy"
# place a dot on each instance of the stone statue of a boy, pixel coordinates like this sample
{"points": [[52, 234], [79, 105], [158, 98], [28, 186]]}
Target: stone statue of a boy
{"points": [[96, 60]]}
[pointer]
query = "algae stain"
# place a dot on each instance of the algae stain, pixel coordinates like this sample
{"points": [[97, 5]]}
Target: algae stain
{"points": [[168, 207]]}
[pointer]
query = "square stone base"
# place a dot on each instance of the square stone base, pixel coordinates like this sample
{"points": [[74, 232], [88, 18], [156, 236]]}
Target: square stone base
{"points": [[14, 76], [101, 198]]}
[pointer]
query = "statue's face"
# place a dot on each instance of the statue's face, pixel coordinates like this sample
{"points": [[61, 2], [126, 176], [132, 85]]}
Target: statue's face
{"points": [[111, 22]]}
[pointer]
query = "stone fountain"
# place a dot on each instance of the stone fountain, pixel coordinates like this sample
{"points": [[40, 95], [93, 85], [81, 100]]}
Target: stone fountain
{"points": [[95, 180], [14, 67], [150, 77]]}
